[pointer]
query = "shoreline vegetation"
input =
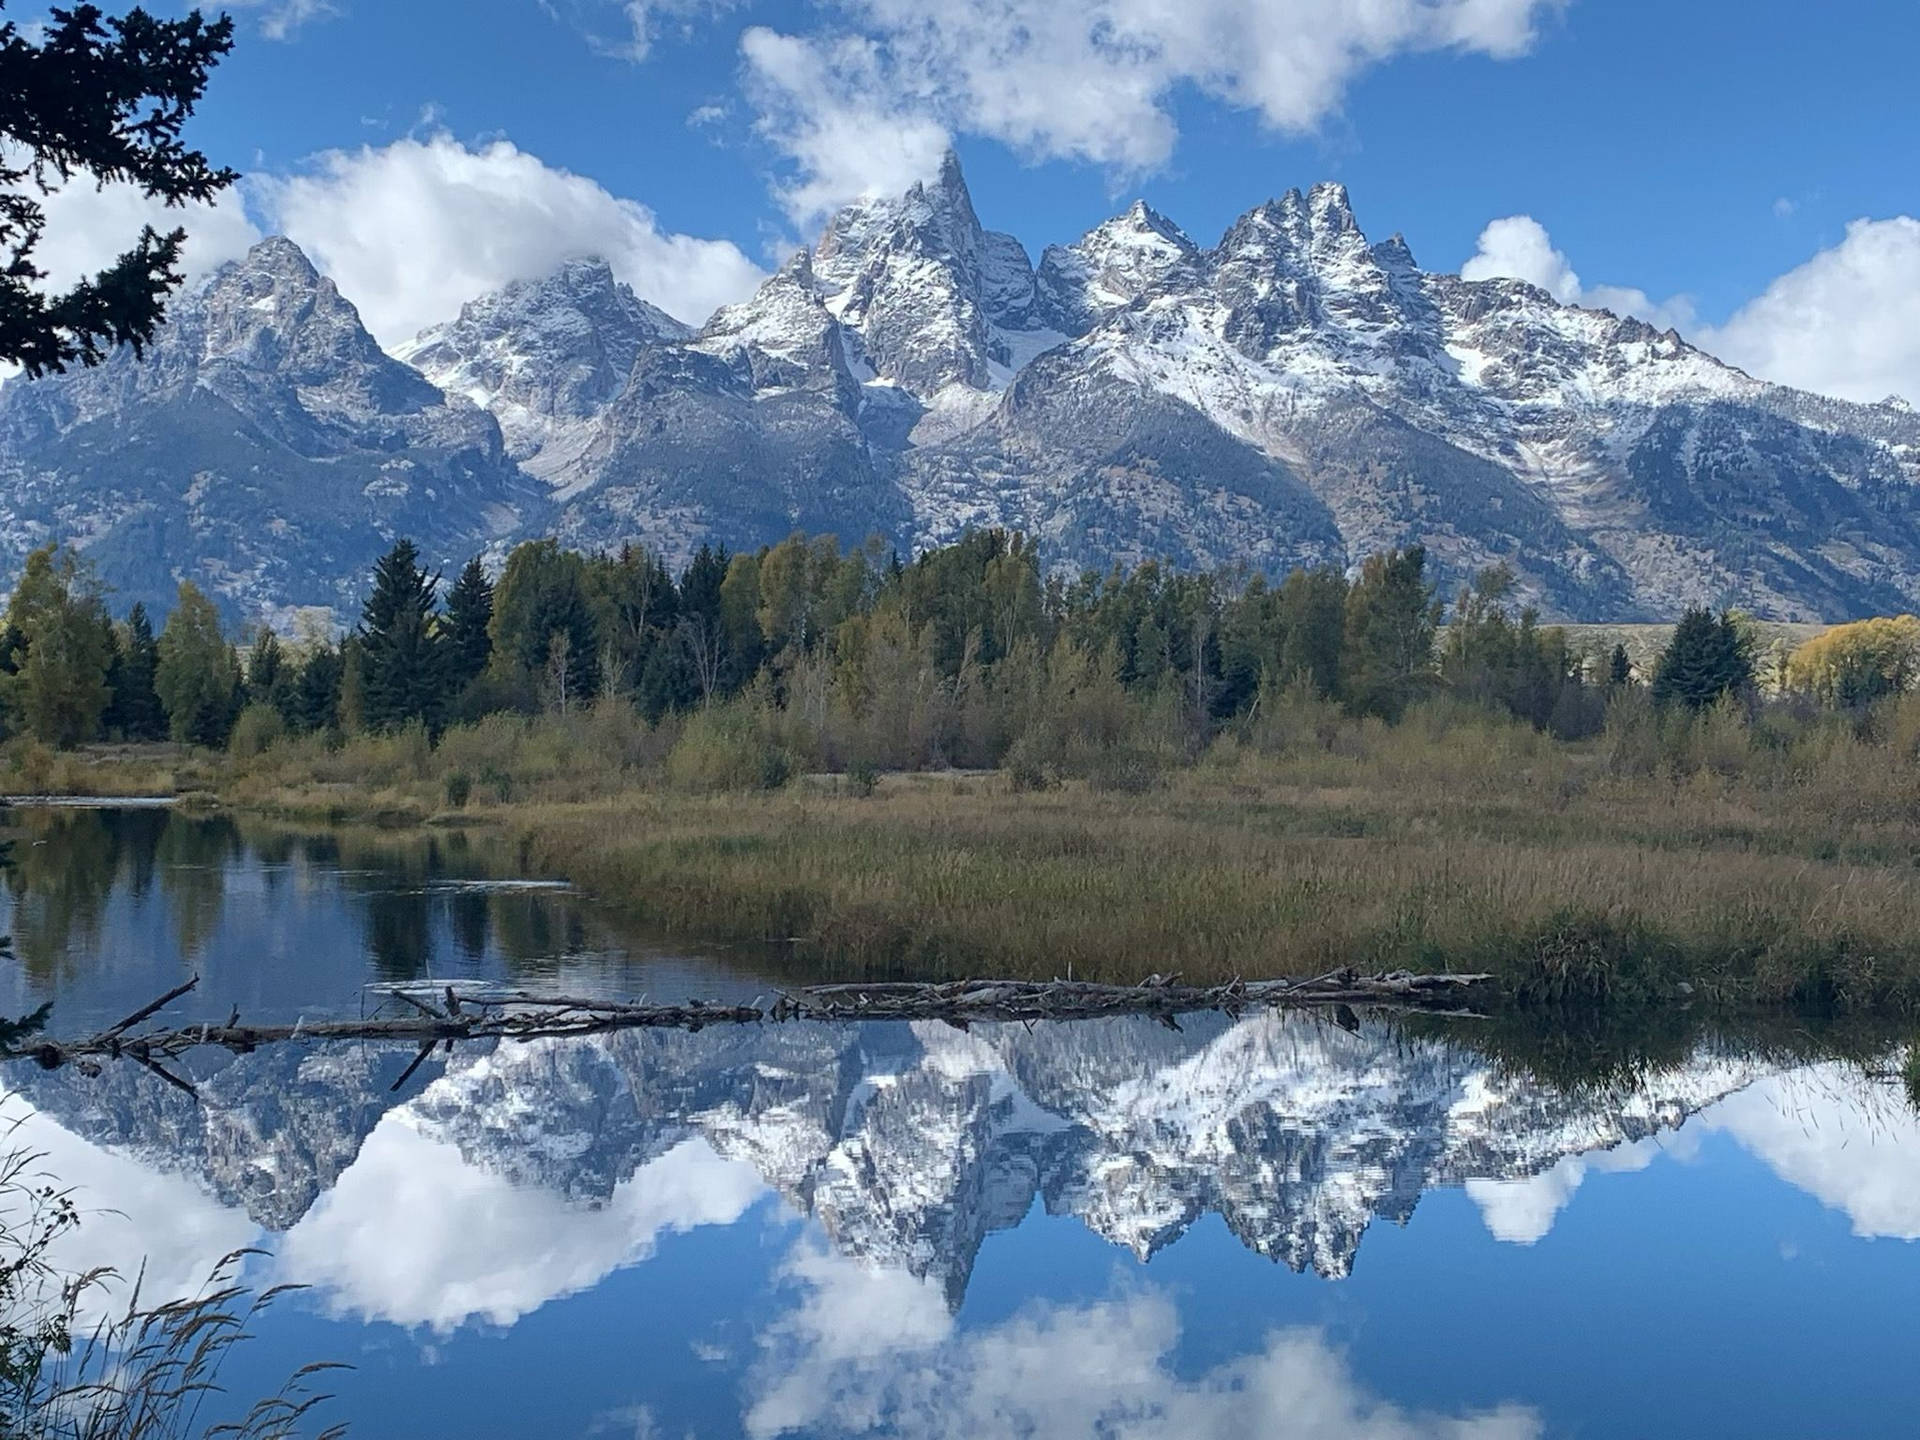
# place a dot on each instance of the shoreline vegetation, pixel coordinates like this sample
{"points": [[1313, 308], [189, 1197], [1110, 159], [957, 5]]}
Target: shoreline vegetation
{"points": [[959, 768]]}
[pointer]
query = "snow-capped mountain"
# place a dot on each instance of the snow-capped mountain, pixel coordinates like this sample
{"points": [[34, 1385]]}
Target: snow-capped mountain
{"points": [[265, 448], [1294, 394], [911, 1144], [546, 357]]}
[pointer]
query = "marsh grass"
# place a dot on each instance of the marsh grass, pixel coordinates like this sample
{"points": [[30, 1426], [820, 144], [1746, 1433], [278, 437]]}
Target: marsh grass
{"points": [[144, 1370], [1770, 860]]}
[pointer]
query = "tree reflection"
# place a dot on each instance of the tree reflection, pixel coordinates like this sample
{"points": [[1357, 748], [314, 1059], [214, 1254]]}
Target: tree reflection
{"points": [[400, 932], [193, 856], [62, 877]]}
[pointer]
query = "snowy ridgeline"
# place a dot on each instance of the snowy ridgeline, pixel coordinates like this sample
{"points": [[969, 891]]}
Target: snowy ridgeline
{"points": [[1295, 394], [911, 1143]]}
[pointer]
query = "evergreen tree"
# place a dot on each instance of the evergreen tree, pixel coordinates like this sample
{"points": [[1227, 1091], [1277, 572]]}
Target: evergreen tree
{"points": [[134, 711], [106, 98], [469, 614], [316, 694], [198, 675], [542, 594], [402, 673], [1391, 620], [1311, 610], [1619, 668], [1705, 659], [271, 677], [703, 631]]}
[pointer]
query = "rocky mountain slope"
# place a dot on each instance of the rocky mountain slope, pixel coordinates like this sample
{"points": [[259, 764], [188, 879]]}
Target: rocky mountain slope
{"points": [[1293, 394], [911, 1144], [265, 448]]}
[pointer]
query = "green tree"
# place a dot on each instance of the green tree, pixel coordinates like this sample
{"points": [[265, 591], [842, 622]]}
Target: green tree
{"points": [[271, 677], [1387, 647], [316, 693], [465, 628], [1705, 659], [103, 99], [59, 692], [1312, 614], [403, 674], [1619, 668], [543, 594], [198, 675], [134, 711], [703, 631]]}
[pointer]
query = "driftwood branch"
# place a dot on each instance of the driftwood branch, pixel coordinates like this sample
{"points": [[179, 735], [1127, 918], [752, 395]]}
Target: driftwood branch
{"points": [[485, 1014]]}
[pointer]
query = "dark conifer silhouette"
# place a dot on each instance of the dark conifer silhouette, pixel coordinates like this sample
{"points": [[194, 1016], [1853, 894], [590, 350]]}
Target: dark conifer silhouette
{"points": [[104, 99]]}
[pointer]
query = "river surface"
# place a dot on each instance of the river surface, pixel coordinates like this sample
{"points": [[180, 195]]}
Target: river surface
{"points": [[1269, 1227]]}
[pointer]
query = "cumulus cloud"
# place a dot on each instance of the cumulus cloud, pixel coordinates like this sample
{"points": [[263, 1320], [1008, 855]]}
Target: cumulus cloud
{"points": [[89, 226], [872, 1352], [1089, 79], [414, 1234], [1848, 1142], [1846, 323], [1518, 247], [412, 230], [832, 108], [136, 1221]]}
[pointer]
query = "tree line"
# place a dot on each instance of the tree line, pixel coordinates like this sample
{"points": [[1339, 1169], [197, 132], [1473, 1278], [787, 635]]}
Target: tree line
{"points": [[805, 625]]}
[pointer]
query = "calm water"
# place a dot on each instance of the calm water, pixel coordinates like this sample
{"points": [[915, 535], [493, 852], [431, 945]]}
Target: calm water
{"points": [[1270, 1227]]}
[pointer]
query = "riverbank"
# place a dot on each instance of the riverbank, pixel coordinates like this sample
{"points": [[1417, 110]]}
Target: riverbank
{"points": [[1444, 845]]}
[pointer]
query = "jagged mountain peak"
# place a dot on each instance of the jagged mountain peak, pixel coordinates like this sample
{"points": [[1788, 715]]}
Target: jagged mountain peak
{"points": [[1292, 395], [544, 354]]}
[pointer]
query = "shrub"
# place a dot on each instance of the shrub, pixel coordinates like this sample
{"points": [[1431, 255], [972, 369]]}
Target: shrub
{"points": [[259, 727], [725, 749], [459, 788]]}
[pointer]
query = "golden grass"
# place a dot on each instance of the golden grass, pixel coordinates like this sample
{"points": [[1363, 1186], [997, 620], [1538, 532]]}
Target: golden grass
{"points": [[1743, 867]]}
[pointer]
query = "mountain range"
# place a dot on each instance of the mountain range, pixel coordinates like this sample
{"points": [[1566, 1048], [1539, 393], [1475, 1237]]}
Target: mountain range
{"points": [[1294, 394], [911, 1144]]}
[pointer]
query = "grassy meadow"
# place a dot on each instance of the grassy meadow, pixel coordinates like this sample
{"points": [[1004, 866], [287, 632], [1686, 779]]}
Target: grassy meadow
{"points": [[1712, 858]]}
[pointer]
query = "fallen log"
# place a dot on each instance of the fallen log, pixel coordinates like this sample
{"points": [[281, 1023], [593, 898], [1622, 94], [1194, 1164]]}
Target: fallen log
{"points": [[492, 1013]]}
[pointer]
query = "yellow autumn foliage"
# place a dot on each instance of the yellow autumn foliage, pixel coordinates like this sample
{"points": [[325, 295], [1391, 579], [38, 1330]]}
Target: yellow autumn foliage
{"points": [[1851, 664]]}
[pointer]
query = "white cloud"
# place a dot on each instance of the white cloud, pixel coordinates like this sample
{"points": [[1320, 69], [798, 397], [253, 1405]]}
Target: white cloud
{"points": [[832, 110], [414, 1234], [872, 1352], [1518, 247], [137, 1221], [90, 226], [1848, 1142], [413, 230], [280, 18], [1522, 1212], [1091, 80], [1846, 323]]}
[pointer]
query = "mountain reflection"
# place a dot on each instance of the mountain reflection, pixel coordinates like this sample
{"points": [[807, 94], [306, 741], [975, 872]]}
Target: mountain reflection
{"points": [[910, 1144]]}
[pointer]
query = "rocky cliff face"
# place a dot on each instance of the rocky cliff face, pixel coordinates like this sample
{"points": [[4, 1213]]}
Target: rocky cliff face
{"points": [[911, 1144], [547, 357], [1294, 394], [265, 448]]}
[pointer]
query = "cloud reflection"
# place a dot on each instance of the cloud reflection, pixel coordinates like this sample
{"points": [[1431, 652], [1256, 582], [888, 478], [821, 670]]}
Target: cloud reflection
{"points": [[415, 1234], [135, 1220], [876, 1352]]}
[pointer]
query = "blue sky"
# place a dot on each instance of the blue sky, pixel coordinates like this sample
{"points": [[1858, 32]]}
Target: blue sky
{"points": [[1681, 157]]}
